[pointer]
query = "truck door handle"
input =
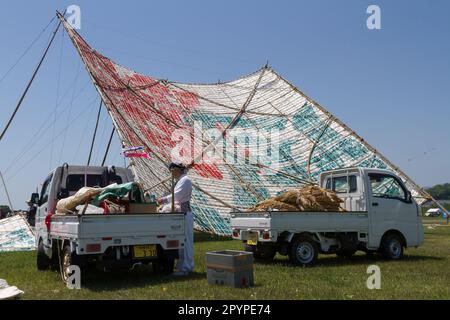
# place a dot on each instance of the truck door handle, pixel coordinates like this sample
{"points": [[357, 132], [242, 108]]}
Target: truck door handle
{"points": [[375, 204]]}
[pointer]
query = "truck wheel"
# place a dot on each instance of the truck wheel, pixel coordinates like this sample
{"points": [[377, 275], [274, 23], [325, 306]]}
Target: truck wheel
{"points": [[42, 261], [66, 262], [303, 251], [345, 253], [69, 258], [392, 247], [163, 266]]}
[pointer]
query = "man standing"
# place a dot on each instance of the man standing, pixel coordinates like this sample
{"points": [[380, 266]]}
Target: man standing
{"points": [[182, 196]]}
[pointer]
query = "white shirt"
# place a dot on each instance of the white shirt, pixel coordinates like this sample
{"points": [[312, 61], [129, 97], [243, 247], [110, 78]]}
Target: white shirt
{"points": [[182, 191]]}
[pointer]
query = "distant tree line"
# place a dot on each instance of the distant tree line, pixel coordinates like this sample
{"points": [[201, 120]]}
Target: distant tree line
{"points": [[440, 191]]}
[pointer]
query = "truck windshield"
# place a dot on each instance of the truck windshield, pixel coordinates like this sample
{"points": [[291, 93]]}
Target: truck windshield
{"points": [[345, 184]]}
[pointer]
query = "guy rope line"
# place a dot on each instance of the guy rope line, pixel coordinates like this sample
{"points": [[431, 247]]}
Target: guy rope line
{"points": [[30, 82], [26, 50]]}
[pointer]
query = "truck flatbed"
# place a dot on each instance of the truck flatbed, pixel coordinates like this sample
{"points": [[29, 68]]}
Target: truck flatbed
{"points": [[381, 216], [302, 221], [118, 229]]}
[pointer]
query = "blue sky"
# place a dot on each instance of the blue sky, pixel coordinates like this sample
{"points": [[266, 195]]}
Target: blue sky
{"points": [[392, 86]]}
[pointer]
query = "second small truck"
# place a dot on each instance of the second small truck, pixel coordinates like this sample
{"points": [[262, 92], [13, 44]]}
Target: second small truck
{"points": [[381, 216]]}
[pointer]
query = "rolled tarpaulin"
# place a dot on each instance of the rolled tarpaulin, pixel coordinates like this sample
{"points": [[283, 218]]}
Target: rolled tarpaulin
{"points": [[119, 191]]}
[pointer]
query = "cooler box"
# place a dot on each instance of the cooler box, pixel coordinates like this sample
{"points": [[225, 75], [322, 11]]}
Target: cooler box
{"points": [[230, 268]]}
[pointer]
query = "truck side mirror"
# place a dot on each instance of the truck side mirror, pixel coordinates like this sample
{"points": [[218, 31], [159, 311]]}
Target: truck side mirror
{"points": [[35, 198]]}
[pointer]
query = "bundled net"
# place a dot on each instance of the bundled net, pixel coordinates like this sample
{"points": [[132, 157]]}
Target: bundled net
{"points": [[155, 113], [308, 198]]}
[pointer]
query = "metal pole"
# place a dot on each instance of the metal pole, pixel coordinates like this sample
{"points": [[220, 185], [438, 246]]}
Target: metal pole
{"points": [[95, 132], [6, 190], [107, 148], [173, 195]]}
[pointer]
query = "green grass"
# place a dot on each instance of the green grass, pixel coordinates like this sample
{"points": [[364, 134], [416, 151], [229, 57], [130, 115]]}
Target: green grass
{"points": [[422, 274]]}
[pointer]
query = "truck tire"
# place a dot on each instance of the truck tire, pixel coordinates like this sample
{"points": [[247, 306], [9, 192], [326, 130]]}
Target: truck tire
{"points": [[392, 247], [69, 258], [303, 252], [163, 266], [42, 261], [66, 261]]}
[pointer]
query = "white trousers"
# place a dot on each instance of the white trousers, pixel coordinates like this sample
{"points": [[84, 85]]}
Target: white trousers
{"points": [[185, 261]]}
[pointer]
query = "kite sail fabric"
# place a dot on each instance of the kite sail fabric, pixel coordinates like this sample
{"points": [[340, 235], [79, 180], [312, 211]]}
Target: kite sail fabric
{"points": [[244, 140], [16, 235]]}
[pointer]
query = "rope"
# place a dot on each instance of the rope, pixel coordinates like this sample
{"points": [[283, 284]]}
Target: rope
{"points": [[26, 50], [30, 82], [37, 135], [57, 136], [95, 132]]}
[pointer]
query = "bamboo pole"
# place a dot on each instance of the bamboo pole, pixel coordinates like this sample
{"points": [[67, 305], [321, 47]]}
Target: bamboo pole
{"points": [[173, 195]]}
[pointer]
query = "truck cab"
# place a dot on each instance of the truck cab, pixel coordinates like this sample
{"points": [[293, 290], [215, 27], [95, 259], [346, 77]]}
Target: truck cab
{"points": [[380, 216], [383, 196]]}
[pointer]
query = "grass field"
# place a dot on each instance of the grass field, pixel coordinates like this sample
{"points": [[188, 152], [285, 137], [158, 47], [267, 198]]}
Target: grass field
{"points": [[424, 273]]}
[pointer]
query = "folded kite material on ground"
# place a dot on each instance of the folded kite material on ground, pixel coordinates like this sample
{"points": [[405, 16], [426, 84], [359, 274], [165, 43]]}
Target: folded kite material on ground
{"points": [[309, 198], [16, 234], [8, 292]]}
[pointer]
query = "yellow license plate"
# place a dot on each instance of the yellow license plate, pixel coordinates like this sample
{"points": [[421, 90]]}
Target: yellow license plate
{"points": [[253, 241], [145, 251]]}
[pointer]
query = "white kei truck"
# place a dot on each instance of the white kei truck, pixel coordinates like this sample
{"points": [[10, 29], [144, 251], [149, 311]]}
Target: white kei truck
{"points": [[106, 241], [381, 216]]}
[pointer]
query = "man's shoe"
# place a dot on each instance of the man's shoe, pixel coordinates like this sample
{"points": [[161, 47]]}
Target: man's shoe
{"points": [[180, 273]]}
